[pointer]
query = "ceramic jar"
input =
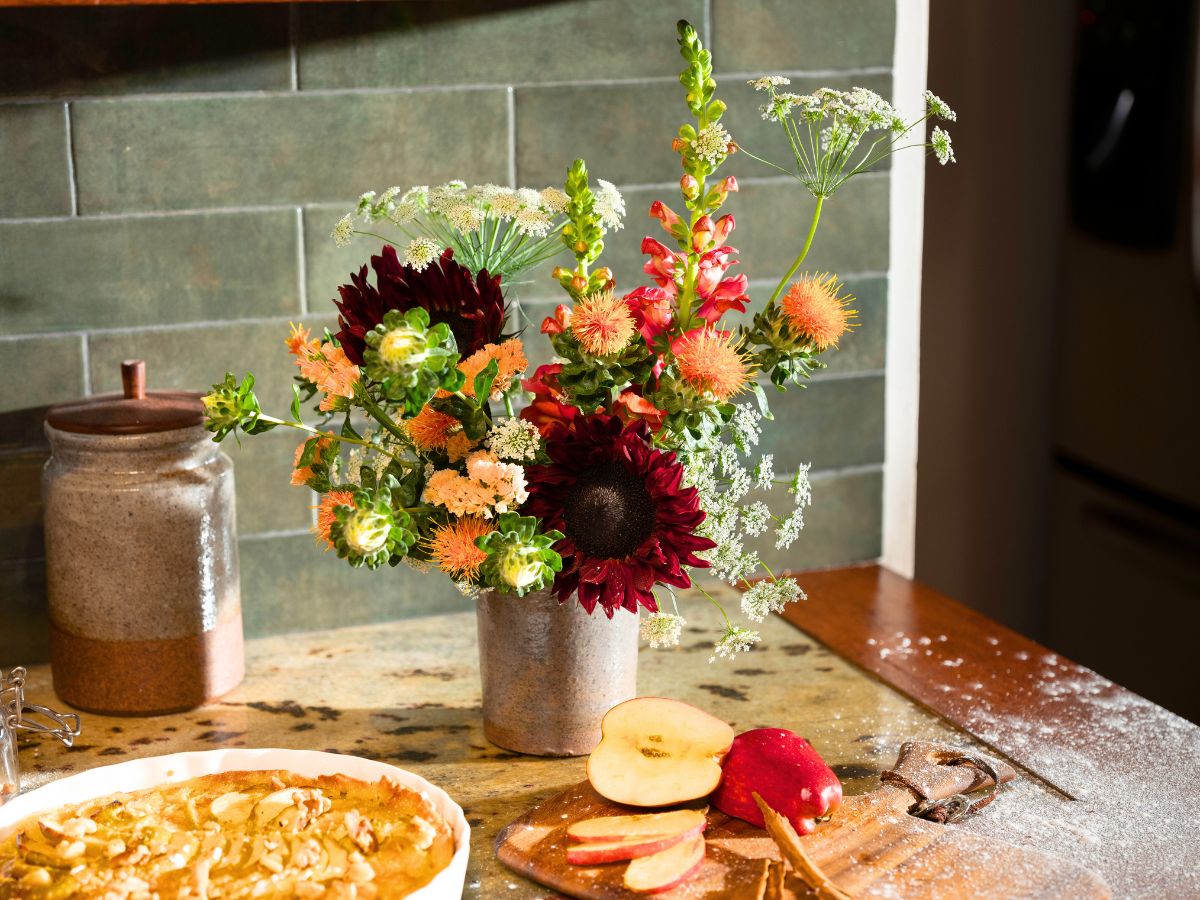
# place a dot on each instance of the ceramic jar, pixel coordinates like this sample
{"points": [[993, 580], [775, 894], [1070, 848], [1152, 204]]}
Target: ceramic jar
{"points": [[141, 554], [550, 671]]}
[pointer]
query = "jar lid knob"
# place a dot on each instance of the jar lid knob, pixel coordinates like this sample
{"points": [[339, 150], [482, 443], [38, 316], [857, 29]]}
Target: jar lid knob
{"points": [[133, 379]]}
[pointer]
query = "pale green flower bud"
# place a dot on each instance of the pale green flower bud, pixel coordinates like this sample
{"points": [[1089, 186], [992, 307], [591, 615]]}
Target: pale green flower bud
{"points": [[366, 532], [402, 348], [521, 567]]}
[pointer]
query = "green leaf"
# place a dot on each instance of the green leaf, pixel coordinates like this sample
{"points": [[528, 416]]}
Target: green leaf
{"points": [[295, 403], [484, 381], [348, 429]]}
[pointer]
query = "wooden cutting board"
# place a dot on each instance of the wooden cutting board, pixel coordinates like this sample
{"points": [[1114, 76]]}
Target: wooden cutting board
{"points": [[871, 847]]}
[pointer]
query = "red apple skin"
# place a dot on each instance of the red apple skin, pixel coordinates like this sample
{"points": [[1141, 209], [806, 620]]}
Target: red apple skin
{"points": [[785, 770], [599, 852]]}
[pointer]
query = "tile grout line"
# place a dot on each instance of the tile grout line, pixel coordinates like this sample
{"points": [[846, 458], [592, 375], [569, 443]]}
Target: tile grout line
{"points": [[72, 181], [401, 90], [293, 50], [706, 20], [301, 262], [85, 353], [510, 104], [750, 180]]}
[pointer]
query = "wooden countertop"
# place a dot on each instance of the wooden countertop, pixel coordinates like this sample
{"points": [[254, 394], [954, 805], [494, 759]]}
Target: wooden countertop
{"points": [[1107, 778]]}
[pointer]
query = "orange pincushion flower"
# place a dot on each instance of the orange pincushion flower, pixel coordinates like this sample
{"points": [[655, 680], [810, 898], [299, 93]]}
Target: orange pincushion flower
{"points": [[301, 475], [603, 323], [711, 362], [452, 547], [430, 429], [509, 356], [298, 343], [325, 517], [813, 308]]}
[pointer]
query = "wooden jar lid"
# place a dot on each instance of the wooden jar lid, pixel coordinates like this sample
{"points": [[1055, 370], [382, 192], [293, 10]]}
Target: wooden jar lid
{"points": [[135, 411]]}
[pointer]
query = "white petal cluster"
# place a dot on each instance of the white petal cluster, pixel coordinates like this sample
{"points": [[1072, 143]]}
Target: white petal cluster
{"points": [[939, 108], [712, 144], [767, 597], [533, 221], [939, 140], [515, 439], [610, 205], [343, 231], [661, 629], [766, 82], [555, 200], [735, 640], [421, 253]]}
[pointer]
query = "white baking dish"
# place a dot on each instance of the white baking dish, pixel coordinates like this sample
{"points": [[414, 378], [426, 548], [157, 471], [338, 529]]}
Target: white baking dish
{"points": [[138, 774]]}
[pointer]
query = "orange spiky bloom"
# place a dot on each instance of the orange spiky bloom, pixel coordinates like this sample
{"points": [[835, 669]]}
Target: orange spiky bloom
{"points": [[325, 517], [710, 361], [430, 428], [813, 308], [452, 547], [509, 356], [298, 343], [602, 323], [302, 474]]}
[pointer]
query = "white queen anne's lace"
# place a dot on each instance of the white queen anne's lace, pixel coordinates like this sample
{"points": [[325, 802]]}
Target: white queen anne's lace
{"points": [[661, 629]]}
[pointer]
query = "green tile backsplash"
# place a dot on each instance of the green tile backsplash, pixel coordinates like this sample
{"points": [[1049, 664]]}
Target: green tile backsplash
{"points": [[171, 176]]}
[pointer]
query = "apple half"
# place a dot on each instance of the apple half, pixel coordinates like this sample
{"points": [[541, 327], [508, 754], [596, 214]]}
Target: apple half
{"points": [[663, 871], [658, 752], [628, 828]]}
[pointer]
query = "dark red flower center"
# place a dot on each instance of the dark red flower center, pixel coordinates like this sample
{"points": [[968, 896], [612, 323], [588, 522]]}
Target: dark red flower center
{"points": [[608, 512]]}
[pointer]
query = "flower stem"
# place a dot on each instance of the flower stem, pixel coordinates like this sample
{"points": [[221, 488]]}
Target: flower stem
{"points": [[300, 426], [728, 623], [812, 231], [380, 415]]}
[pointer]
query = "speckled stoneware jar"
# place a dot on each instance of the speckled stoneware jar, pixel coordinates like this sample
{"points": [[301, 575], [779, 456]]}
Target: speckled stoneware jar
{"points": [[141, 554], [550, 671]]}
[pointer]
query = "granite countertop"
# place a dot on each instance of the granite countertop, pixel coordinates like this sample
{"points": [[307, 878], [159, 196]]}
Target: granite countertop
{"points": [[407, 692]]}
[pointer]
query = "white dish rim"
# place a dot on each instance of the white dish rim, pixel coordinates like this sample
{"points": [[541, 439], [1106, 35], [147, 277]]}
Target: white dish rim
{"points": [[152, 771]]}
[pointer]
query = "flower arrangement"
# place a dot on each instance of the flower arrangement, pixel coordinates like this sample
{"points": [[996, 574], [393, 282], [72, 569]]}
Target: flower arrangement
{"points": [[632, 462]]}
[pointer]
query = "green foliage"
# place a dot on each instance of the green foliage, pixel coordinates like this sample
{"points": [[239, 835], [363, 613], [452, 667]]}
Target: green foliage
{"points": [[409, 360], [519, 558], [592, 382], [231, 407], [372, 531]]}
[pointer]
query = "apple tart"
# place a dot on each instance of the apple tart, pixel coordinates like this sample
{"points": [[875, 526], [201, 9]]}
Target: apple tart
{"points": [[233, 834]]}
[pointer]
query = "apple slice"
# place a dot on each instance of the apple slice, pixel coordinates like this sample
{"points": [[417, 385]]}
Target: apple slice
{"points": [[658, 752], [611, 851], [626, 828], [662, 871]]}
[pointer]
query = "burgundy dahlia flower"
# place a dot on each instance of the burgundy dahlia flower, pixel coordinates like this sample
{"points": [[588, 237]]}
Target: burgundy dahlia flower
{"points": [[473, 306]]}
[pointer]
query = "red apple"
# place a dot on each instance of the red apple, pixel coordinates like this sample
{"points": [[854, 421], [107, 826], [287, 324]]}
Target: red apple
{"points": [[626, 828], [611, 851], [662, 871], [785, 770], [658, 752]]}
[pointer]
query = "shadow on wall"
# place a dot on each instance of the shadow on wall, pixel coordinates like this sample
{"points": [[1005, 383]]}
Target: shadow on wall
{"points": [[119, 50]]}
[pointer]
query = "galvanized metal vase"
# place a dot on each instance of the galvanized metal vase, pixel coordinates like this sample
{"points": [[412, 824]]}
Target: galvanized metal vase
{"points": [[550, 671]]}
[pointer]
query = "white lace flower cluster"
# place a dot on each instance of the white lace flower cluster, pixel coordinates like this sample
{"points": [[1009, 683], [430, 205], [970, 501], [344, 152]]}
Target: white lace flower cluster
{"points": [[712, 144], [735, 640], [837, 122], [661, 629], [610, 205], [515, 439], [725, 481]]}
